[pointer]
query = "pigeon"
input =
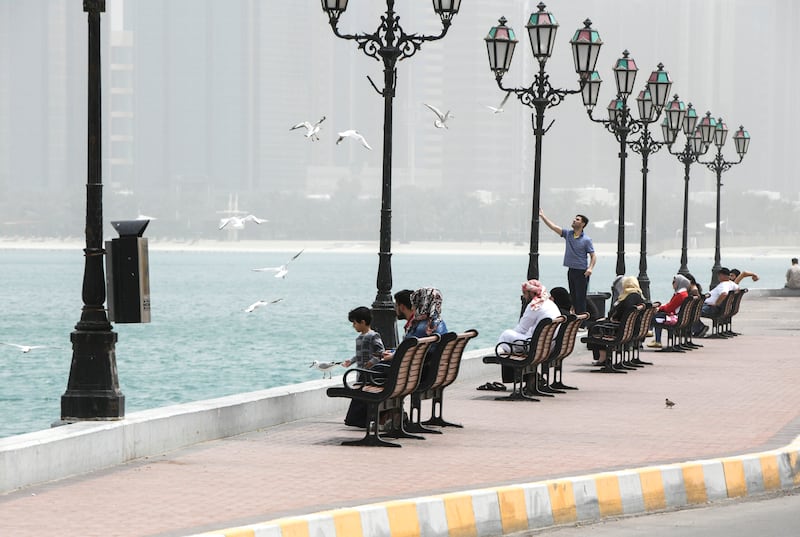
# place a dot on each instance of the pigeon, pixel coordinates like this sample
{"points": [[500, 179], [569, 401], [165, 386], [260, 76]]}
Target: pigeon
{"points": [[354, 135], [499, 109], [258, 303], [441, 119], [325, 367], [283, 270], [25, 348], [312, 131], [670, 404], [238, 223]]}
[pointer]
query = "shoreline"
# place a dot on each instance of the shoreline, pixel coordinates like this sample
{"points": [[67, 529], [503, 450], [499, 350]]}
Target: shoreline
{"points": [[604, 250]]}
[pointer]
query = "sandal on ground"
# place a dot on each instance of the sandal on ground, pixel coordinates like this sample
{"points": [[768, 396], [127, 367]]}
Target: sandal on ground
{"points": [[492, 387], [499, 386]]}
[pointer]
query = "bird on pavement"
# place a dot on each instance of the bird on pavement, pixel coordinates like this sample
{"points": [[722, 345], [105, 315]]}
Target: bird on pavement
{"points": [[283, 270], [499, 109], [238, 223], [325, 367], [355, 135], [258, 303], [312, 131], [441, 119], [670, 404], [25, 348]]}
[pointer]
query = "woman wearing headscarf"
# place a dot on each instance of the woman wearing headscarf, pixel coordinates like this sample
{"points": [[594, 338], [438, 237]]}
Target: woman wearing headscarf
{"points": [[667, 313], [539, 307], [427, 320], [630, 297]]}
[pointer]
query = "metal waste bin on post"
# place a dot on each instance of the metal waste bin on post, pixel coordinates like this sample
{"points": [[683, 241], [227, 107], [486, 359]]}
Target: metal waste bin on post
{"points": [[128, 273], [596, 304]]}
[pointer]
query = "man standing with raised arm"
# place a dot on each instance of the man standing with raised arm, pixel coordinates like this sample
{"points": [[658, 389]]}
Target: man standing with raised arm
{"points": [[578, 247]]}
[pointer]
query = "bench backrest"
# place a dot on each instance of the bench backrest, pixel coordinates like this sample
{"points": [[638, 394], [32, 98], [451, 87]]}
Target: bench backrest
{"points": [[646, 320], [629, 323], [409, 369], [737, 300], [451, 359], [567, 334], [541, 344], [435, 360], [687, 313]]}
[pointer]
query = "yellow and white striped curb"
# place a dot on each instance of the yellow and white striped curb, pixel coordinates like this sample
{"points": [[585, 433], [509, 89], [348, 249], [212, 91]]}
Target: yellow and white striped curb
{"points": [[503, 510]]}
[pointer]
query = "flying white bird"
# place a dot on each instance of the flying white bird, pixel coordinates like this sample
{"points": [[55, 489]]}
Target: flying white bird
{"points": [[441, 119], [325, 367], [600, 224], [25, 348], [355, 135], [312, 131], [257, 304], [238, 223], [283, 270], [499, 109]]}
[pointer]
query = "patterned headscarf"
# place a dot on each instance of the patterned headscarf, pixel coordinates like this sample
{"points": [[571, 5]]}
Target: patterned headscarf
{"points": [[427, 305], [629, 285], [538, 293]]}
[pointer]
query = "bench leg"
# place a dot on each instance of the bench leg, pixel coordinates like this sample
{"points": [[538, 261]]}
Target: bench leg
{"points": [[436, 413], [371, 438], [415, 416], [398, 429], [558, 376]]}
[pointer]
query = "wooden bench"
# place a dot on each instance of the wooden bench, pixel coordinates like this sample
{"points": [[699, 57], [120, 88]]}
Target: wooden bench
{"points": [[440, 371], [386, 392], [538, 347], [721, 322], [644, 326], [682, 328], [563, 347], [615, 340]]}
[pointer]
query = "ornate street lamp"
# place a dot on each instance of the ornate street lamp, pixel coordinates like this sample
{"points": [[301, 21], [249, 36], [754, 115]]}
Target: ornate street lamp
{"points": [[658, 86], [93, 388], [742, 141], [390, 44], [621, 124], [540, 95], [679, 115]]}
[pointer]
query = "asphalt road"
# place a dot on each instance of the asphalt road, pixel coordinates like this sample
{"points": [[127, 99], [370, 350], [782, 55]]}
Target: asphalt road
{"points": [[776, 515]]}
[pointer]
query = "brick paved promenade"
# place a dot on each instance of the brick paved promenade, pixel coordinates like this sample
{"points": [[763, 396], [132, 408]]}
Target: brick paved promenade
{"points": [[733, 396]]}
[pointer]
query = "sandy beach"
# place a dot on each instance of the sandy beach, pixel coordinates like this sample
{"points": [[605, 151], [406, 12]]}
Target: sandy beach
{"points": [[414, 247]]}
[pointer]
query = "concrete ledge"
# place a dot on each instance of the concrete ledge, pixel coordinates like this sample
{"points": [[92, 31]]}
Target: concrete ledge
{"points": [[782, 292], [505, 510], [82, 447]]}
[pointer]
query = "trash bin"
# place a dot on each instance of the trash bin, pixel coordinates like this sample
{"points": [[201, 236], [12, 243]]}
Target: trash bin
{"points": [[596, 304], [128, 274]]}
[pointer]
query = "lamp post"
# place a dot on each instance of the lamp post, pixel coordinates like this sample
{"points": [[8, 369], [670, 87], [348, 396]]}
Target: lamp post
{"points": [[621, 124], [645, 145], [742, 141], [540, 95], [697, 142], [93, 388], [390, 44]]}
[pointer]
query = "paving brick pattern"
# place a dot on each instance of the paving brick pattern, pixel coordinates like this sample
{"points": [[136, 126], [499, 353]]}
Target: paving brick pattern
{"points": [[732, 396]]}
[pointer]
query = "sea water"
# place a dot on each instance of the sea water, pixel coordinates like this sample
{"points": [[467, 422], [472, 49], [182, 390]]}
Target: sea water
{"points": [[201, 344]]}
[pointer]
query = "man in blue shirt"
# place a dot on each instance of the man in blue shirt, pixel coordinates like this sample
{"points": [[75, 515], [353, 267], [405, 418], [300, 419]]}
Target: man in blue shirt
{"points": [[578, 247]]}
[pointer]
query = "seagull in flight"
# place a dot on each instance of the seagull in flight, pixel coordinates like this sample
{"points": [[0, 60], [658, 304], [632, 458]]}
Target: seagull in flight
{"points": [[238, 223], [325, 367], [441, 119], [258, 303], [355, 135], [25, 348], [312, 131], [499, 109], [283, 270]]}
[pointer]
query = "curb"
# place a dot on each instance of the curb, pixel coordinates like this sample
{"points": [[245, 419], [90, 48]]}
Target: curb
{"points": [[503, 510]]}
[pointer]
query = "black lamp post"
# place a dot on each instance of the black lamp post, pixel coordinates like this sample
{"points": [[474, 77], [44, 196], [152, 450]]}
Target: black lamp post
{"points": [[621, 124], [93, 388], [645, 145], [390, 44], [742, 141], [540, 96], [697, 143]]}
